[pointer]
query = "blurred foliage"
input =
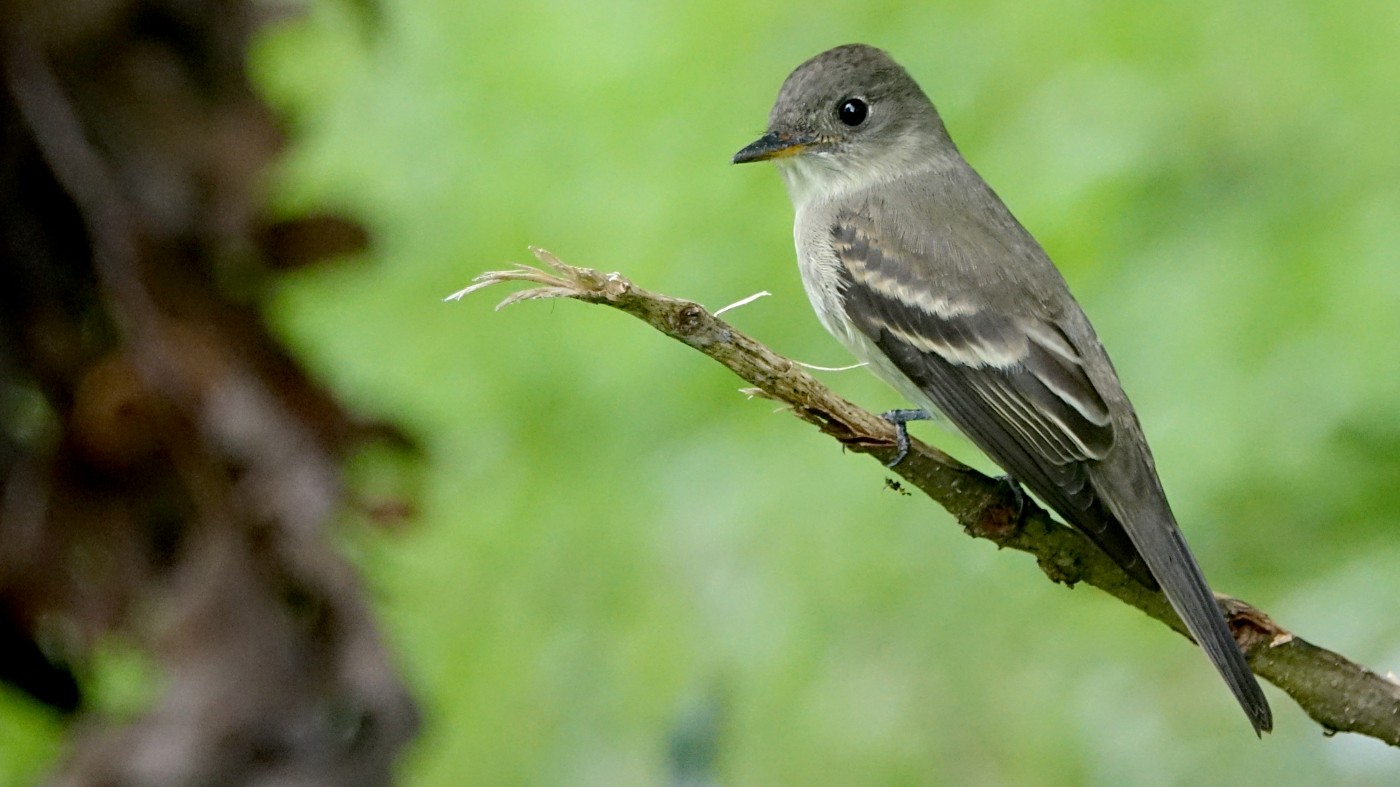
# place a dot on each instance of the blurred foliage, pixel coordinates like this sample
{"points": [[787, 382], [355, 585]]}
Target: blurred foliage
{"points": [[624, 572]]}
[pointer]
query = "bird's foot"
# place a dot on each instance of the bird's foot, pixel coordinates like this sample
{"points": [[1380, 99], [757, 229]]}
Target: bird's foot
{"points": [[901, 432], [1017, 493]]}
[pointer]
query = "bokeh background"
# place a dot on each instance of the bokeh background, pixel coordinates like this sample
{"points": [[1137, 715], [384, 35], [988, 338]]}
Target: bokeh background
{"points": [[626, 573]]}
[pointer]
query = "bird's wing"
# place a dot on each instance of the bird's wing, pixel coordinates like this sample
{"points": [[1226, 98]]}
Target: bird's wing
{"points": [[1015, 384]]}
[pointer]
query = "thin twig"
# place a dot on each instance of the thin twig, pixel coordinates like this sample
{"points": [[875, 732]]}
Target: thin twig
{"points": [[743, 302]]}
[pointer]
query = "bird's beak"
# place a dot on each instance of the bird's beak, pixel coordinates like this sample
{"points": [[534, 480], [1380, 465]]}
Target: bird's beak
{"points": [[774, 144]]}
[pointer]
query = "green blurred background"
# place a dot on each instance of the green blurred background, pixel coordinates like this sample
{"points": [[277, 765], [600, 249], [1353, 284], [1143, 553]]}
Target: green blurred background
{"points": [[622, 564]]}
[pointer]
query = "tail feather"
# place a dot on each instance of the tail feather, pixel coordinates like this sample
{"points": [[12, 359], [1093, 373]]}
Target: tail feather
{"points": [[1164, 549]]}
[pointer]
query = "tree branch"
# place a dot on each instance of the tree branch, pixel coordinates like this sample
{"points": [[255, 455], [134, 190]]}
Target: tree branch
{"points": [[1337, 693]]}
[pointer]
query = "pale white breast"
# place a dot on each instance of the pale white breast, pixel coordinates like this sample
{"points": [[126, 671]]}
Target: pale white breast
{"points": [[820, 269], [817, 183]]}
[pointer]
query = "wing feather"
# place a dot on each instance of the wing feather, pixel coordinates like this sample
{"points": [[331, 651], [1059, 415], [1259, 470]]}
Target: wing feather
{"points": [[1014, 384]]}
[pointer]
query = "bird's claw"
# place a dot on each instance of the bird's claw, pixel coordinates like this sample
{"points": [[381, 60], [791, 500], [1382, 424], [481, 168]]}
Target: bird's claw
{"points": [[1017, 493], [901, 432]]}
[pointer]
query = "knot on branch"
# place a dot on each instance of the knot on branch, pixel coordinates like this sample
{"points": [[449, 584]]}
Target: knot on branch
{"points": [[1251, 627], [1000, 518], [688, 319], [1061, 567]]}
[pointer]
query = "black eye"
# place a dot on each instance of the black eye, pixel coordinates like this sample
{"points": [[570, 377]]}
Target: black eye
{"points": [[852, 111]]}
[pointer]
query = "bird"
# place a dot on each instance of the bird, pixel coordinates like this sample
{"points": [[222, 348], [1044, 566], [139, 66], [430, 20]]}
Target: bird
{"points": [[918, 268]]}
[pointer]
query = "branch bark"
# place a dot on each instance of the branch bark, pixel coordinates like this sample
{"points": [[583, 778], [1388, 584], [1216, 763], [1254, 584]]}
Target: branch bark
{"points": [[1339, 694]]}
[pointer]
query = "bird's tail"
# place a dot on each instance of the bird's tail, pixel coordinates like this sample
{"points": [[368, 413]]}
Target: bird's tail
{"points": [[1164, 549]]}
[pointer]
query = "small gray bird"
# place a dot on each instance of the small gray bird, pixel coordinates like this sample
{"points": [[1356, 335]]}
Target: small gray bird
{"points": [[914, 264]]}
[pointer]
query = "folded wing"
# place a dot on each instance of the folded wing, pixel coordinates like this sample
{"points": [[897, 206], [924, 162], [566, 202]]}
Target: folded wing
{"points": [[1013, 383]]}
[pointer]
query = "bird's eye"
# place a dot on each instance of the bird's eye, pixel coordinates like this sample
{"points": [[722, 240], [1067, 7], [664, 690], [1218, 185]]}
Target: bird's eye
{"points": [[852, 111]]}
